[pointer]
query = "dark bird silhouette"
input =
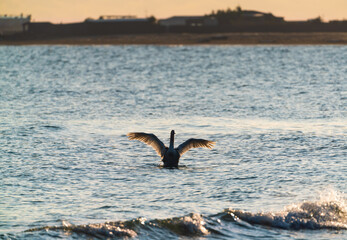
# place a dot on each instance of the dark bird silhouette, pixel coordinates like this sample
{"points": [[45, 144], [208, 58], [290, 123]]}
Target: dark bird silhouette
{"points": [[169, 155]]}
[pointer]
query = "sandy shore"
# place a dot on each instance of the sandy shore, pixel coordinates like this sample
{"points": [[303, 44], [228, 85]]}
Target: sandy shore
{"points": [[194, 39]]}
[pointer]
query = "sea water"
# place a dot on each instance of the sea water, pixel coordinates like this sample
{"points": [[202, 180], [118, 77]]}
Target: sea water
{"points": [[277, 115]]}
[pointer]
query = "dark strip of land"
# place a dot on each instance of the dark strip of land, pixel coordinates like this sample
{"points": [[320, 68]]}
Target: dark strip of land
{"points": [[314, 38]]}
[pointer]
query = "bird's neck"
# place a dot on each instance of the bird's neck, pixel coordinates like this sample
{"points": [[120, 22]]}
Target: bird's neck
{"points": [[172, 139]]}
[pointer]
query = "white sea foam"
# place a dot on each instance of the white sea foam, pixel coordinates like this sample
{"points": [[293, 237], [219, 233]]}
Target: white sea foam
{"points": [[328, 212]]}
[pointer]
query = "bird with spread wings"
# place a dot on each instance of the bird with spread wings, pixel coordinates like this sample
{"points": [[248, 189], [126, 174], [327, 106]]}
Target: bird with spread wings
{"points": [[169, 155]]}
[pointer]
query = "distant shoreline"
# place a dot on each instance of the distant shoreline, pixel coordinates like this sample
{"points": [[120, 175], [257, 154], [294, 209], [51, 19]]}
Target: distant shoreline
{"points": [[246, 38]]}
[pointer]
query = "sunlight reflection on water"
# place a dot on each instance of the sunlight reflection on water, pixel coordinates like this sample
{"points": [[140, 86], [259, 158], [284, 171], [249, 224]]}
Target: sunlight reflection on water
{"points": [[277, 114]]}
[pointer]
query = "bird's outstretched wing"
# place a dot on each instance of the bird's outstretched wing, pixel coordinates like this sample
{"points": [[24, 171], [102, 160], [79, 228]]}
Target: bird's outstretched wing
{"points": [[194, 143], [149, 139]]}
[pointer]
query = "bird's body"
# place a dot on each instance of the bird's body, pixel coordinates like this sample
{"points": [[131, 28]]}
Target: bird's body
{"points": [[171, 158], [169, 155]]}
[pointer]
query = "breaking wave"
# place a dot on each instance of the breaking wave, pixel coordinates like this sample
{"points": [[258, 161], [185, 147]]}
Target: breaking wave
{"points": [[323, 214], [308, 215], [190, 225], [330, 212]]}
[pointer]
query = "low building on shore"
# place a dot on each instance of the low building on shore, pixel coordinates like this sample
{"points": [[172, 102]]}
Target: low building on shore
{"points": [[13, 24], [116, 18], [104, 25], [191, 21], [251, 15]]}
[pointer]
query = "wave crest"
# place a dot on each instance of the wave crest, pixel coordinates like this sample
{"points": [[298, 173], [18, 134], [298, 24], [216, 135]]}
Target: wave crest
{"points": [[193, 224], [99, 230], [307, 215]]}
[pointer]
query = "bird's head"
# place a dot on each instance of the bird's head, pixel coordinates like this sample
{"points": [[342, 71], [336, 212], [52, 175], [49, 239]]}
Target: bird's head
{"points": [[173, 132]]}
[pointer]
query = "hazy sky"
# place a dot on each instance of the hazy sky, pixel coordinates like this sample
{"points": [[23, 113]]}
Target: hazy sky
{"points": [[78, 10]]}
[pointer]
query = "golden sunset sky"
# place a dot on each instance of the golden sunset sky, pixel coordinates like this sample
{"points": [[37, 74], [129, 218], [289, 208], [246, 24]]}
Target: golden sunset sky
{"points": [[78, 10]]}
